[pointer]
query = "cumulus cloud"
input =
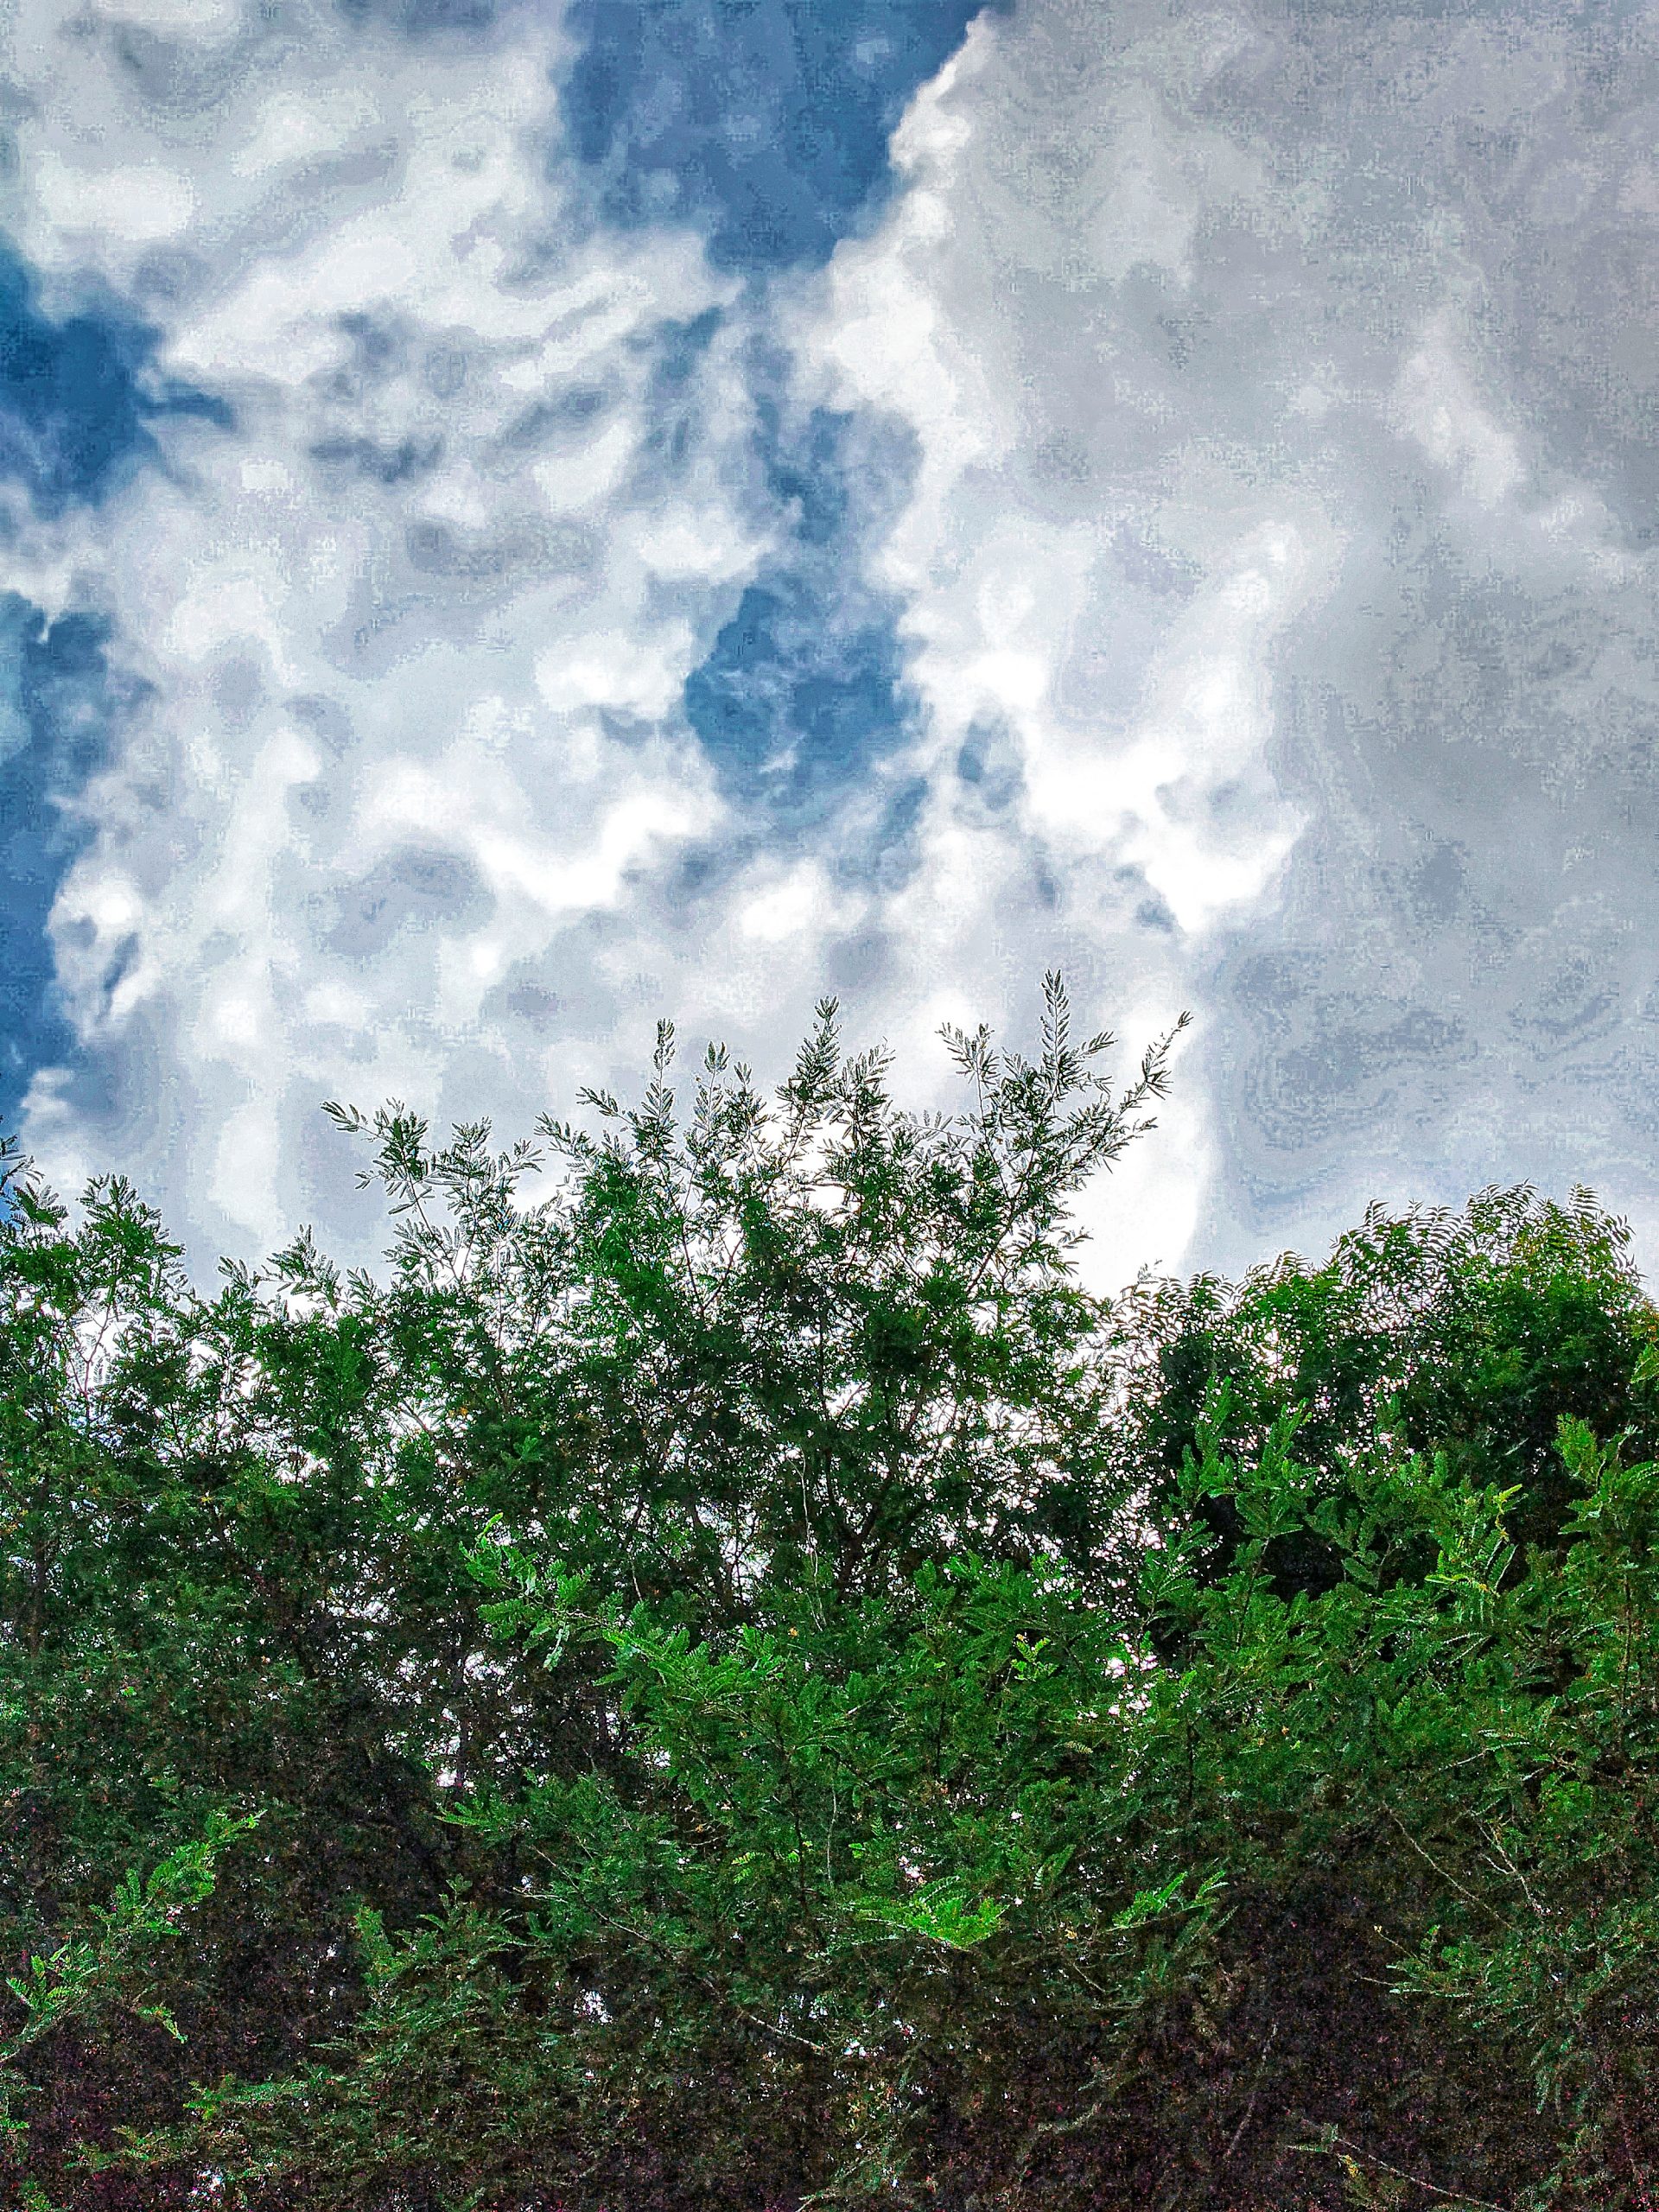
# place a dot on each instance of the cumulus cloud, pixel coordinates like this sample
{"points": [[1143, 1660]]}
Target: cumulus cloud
{"points": [[490, 665], [1197, 529], [410, 620], [1282, 385]]}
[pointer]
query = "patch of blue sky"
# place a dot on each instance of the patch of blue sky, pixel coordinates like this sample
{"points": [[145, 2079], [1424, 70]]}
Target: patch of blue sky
{"points": [[764, 122], [791, 703], [57, 703], [804, 694], [76, 395]]}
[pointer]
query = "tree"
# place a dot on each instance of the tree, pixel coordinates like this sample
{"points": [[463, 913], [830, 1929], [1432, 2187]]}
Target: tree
{"points": [[725, 1678], [816, 1335], [1475, 1334]]}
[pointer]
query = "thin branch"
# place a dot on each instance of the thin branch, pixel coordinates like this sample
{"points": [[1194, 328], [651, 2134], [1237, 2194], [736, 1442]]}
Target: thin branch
{"points": [[1444, 1873], [1450, 2195]]}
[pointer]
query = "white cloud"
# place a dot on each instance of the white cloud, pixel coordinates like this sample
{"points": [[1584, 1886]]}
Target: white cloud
{"points": [[416, 627], [1259, 512], [1276, 573], [138, 205]]}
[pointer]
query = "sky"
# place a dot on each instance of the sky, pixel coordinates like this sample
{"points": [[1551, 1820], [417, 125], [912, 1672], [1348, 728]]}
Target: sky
{"points": [[519, 518]]}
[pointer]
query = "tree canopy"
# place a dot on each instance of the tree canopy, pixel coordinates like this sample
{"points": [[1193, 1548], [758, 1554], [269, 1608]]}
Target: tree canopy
{"points": [[723, 1678]]}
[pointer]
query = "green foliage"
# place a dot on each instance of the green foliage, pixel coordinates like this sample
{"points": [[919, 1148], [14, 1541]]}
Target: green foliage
{"points": [[1472, 1334], [726, 1678]]}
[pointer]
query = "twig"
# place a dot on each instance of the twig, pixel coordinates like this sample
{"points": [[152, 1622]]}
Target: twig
{"points": [[1442, 1871], [1255, 2090], [1451, 2195]]}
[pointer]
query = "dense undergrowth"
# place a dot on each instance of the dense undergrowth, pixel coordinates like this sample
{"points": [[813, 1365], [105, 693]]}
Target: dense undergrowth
{"points": [[723, 1679]]}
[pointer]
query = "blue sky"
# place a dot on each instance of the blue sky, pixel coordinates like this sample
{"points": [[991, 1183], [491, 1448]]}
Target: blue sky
{"points": [[522, 517]]}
